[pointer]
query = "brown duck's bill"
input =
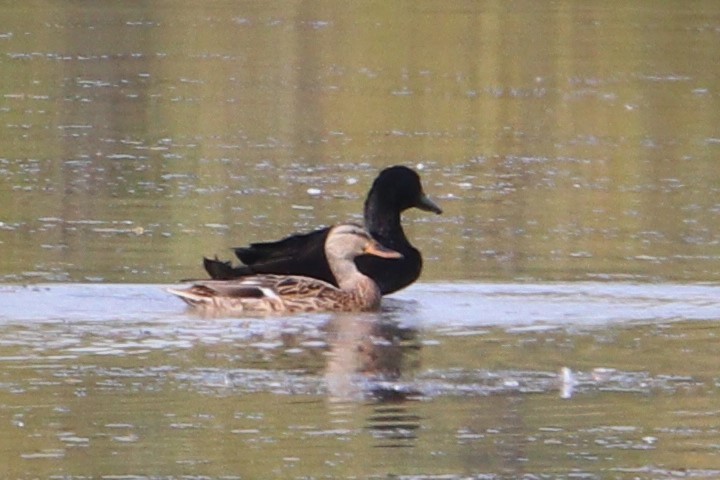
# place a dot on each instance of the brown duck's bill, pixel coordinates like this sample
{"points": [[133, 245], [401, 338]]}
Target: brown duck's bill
{"points": [[428, 205], [374, 248]]}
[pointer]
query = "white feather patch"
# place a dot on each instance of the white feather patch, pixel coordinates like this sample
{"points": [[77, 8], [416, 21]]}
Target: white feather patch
{"points": [[269, 293]]}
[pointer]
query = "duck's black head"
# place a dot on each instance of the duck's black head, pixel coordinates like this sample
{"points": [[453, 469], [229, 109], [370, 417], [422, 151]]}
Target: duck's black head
{"points": [[396, 189]]}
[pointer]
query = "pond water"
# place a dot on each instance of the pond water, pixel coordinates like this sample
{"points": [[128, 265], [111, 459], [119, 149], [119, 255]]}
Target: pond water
{"points": [[447, 381], [565, 324]]}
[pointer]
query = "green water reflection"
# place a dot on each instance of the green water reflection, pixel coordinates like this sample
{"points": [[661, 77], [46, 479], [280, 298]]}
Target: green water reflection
{"points": [[565, 141], [70, 411]]}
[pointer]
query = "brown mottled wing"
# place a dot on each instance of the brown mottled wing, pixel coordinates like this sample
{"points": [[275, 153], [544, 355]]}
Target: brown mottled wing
{"points": [[274, 293], [304, 294]]}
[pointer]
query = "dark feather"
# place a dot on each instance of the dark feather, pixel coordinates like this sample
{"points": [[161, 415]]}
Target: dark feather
{"points": [[394, 190]]}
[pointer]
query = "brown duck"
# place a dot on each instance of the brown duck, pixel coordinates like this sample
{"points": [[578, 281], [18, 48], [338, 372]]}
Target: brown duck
{"points": [[271, 293]]}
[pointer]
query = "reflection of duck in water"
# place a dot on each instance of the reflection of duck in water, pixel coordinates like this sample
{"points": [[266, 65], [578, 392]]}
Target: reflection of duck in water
{"points": [[369, 356], [291, 293], [395, 190]]}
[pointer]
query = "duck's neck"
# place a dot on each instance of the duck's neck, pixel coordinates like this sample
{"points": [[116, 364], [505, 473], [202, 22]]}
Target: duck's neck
{"points": [[384, 223], [347, 276], [351, 280]]}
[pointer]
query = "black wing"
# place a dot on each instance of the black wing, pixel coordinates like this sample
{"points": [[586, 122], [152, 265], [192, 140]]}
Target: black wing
{"points": [[221, 270], [300, 254]]}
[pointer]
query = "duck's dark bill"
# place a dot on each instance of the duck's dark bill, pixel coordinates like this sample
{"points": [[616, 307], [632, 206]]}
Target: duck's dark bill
{"points": [[428, 205], [378, 250]]}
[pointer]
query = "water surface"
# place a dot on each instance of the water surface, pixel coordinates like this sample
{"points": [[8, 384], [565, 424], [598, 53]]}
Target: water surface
{"points": [[565, 324], [447, 380], [565, 142]]}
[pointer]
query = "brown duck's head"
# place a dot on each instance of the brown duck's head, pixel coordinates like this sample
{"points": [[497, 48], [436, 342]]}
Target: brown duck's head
{"points": [[347, 241]]}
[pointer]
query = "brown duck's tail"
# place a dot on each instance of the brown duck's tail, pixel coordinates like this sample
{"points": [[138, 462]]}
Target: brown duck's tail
{"points": [[192, 296]]}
